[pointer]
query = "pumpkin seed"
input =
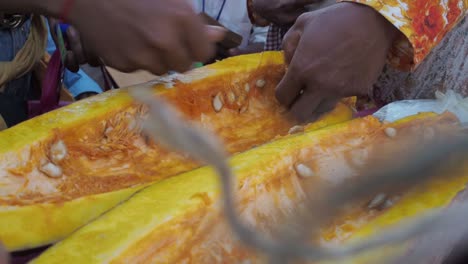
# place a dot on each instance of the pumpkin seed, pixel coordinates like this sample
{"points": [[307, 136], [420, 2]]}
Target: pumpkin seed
{"points": [[58, 151], [378, 201], [247, 87], [51, 170], [391, 132], [260, 83], [231, 97], [296, 129], [244, 108], [304, 171], [217, 103], [108, 131]]}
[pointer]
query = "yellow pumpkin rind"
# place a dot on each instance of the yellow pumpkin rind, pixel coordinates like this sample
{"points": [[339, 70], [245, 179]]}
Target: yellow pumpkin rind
{"points": [[171, 199]]}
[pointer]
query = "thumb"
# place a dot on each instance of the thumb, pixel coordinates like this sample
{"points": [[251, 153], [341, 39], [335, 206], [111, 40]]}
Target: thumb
{"points": [[289, 87], [215, 33], [289, 44]]}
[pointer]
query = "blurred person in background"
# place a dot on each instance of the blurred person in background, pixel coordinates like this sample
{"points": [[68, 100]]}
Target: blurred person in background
{"points": [[233, 15]]}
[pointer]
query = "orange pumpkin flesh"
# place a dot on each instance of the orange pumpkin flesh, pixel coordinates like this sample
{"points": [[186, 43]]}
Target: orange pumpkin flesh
{"points": [[179, 220], [103, 157]]}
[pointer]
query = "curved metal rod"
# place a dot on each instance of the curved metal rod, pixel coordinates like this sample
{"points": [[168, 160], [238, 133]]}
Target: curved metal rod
{"points": [[165, 126]]}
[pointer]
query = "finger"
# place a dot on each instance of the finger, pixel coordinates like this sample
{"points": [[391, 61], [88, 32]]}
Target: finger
{"points": [[177, 56], [74, 41], [290, 43], [200, 39], [70, 62], [307, 2], [52, 27], [155, 65], [305, 107], [289, 87], [327, 105], [215, 33], [90, 57], [234, 52]]}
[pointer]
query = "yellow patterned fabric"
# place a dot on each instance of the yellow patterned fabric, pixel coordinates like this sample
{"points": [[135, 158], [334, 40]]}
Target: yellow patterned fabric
{"points": [[424, 23]]}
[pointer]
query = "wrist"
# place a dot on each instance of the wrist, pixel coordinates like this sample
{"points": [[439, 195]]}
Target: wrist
{"points": [[62, 9], [372, 16], [48, 7]]}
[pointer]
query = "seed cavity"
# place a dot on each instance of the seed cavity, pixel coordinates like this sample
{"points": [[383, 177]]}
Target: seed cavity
{"points": [[217, 102], [260, 83], [51, 170], [390, 132], [304, 171], [377, 202], [58, 151], [296, 129]]}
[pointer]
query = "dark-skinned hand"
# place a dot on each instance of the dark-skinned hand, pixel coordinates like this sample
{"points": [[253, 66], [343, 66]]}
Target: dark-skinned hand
{"points": [[76, 54], [153, 35], [282, 12], [335, 52]]}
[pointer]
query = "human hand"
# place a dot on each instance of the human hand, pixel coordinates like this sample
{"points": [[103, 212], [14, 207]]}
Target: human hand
{"points": [[153, 35], [251, 48], [335, 52], [281, 12], [76, 54]]}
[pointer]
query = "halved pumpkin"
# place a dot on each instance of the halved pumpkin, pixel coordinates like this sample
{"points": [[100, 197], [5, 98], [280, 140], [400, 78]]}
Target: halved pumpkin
{"points": [[60, 170], [179, 220]]}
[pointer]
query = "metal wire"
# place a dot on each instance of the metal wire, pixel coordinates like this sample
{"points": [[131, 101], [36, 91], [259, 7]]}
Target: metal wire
{"points": [[172, 131]]}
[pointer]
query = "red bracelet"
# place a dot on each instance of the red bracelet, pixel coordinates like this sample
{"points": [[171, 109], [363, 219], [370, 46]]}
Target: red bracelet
{"points": [[66, 9]]}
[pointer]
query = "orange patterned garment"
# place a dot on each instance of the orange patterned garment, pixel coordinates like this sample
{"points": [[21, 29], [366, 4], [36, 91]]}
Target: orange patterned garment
{"points": [[423, 22]]}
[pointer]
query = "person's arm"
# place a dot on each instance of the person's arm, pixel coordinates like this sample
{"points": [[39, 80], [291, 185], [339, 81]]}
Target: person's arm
{"points": [[43, 7], [423, 23], [153, 35]]}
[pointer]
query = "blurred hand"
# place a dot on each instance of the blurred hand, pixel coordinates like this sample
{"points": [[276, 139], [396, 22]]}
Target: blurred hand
{"points": [[76, 54], [251, 48], [335, 52], [153, 35], [281, 12]]}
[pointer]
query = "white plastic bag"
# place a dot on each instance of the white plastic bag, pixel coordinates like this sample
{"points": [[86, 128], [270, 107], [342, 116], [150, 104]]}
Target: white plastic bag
{"points": [[450, 101]]}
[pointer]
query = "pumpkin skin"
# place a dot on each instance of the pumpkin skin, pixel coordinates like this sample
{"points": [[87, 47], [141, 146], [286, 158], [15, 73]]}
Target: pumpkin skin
{"points": [[104, 159], [178, 220]]}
